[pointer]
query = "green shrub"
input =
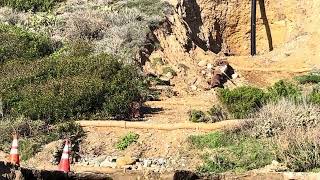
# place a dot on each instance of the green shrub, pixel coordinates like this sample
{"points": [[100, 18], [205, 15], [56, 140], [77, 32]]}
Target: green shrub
{"points": [[216, 113], [232, 152], [311, 78], [127, 140], [282, 89], [242, 101], [16, 43], [71, 87], [197, 116], [32, 5]]}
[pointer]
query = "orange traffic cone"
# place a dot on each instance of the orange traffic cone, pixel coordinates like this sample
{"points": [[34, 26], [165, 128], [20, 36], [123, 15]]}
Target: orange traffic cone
{"points": [[64, 162], [14, 155]]}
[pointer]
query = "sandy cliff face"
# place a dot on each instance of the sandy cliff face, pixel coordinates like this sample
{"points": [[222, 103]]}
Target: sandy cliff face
{"points": [[206, 30], [224, 25]]}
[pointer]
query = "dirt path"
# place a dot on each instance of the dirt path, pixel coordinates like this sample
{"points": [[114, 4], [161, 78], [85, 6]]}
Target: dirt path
{"points": [[175, 109]]}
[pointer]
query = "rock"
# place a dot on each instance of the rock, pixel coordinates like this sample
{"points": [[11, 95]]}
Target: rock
{"points": [[169, 75], [209, 66], [100, 159], [193, 88], [234, 76], [202, 63], [147, 163], [161, 161], [123, 161], [108, 163], [128, 167], [165, 78], [96, 164], [139, 166]]}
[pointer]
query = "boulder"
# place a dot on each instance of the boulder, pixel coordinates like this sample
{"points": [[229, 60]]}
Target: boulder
{"points": [[123, 161]]}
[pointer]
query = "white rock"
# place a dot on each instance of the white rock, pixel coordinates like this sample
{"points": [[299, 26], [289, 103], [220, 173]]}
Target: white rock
{"points": [[147, 163], [193, 88], [107, 163], [209, 66], [202, 63], [169, 75], [234, 76], [161, 161]]}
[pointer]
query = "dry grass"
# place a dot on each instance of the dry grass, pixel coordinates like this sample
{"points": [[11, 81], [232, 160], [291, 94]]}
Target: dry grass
{"points": [[275, 117], [295, 130], [299, 148]]}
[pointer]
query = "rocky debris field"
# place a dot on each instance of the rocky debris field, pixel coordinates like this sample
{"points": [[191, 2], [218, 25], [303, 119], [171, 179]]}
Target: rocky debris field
{"points": [[127, 163]]}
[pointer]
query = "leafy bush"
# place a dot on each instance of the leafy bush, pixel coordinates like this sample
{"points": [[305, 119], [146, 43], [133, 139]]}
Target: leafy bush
{"points": [[232, 152], [312, 78], [197, 116], [71, 87], [282, 89], [127, 140], [18, 43], [34, 5], [242, 101]]}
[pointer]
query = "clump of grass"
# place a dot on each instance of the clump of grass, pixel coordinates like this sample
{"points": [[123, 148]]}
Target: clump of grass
{"points": [[197, 116], [232, 152], [311, 78], [150, 7], [127, 140], [314, 96], [216, 114], [27, 5]]}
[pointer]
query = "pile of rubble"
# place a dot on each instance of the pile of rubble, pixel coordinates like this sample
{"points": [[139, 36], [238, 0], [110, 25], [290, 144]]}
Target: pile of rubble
{"points": [[129, 163]]}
